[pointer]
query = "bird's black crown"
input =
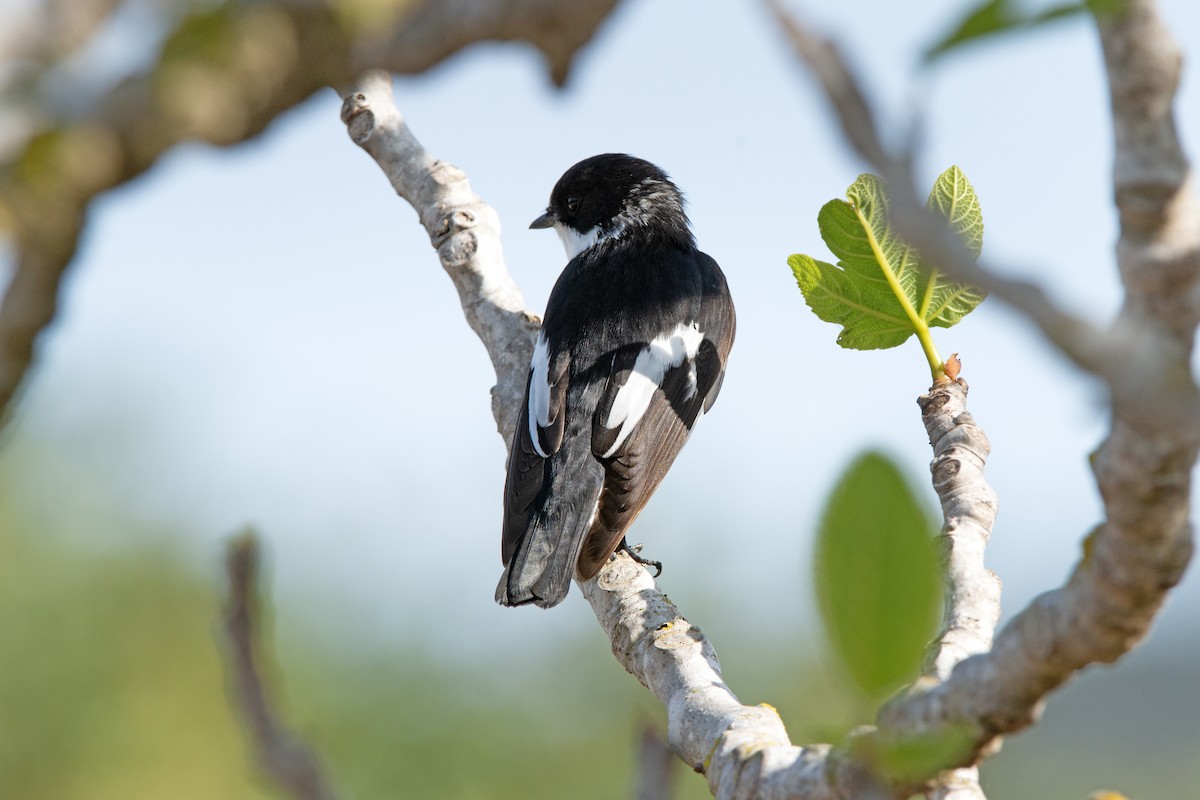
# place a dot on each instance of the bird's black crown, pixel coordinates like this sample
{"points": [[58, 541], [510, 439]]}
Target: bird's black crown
{"points": [[615, 193]]}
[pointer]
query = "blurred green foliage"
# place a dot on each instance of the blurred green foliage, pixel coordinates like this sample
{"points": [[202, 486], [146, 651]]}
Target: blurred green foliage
{"points": [[877, 575], [111, 686], [991, 18]]}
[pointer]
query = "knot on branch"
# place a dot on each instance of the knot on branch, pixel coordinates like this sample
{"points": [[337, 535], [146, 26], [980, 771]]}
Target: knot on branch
{"points": [[443, 173], [358, 114], [358, 117], [457, 247]]}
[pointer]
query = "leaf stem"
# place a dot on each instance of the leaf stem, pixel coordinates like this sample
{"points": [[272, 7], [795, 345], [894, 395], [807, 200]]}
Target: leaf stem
{"points": [[936, 366]]}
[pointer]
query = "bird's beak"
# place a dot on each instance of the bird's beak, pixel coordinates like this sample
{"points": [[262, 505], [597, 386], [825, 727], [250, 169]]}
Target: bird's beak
{"points": [[546, 220]]}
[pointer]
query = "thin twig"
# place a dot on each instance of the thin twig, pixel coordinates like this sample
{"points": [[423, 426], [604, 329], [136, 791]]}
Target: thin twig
{"points": [[656, 765], [281, 755], [969, 506]]}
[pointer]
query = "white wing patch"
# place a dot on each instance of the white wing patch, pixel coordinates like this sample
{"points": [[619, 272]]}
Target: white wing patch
{"points": [[539, 392], [668, 350]]}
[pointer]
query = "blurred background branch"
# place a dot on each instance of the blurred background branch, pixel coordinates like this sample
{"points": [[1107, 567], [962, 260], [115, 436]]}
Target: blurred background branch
{"points": [[1111, 599], [656, 766], [281, 754], [219, 73]]}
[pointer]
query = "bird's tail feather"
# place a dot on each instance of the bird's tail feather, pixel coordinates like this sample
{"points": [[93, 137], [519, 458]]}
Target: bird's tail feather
{"points": [[543, 565]]}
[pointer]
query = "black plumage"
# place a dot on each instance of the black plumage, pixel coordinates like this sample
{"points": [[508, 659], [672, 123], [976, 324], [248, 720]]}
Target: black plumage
{"points": [[632, 350]]}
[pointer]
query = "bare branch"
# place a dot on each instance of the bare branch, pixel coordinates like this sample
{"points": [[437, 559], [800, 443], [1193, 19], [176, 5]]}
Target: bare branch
{"points": [[972, 591], [982, 693], [969, 506], [737, 747], [1143, 469], [743, 750], [435, 31], [462, 228], [282, 756], [958, 784], [44, 193]]}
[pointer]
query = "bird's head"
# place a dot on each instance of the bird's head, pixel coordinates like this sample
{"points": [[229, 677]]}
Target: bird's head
{"points": [[615, 197]]}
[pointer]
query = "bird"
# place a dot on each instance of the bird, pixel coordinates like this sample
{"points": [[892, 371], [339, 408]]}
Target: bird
{"points": [[631, 353]]}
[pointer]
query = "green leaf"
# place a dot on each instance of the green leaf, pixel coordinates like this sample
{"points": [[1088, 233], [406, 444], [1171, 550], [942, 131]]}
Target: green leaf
{"points": [[943, 303], [878, 579], [880, 291], [835, 298], [987, 19], [954, 198], [910, 757], [994, 17]]}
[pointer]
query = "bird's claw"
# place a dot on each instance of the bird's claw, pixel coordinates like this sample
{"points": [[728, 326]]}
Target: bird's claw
{"points": [[634, 552]]}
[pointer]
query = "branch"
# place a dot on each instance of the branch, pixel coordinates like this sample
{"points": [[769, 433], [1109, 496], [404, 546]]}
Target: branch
{"points": [[462, 228], [744, 750], [971, 691], [969, 505], [282, 756], [655, 766], [972, 592], [1144, 467], [436, 31]]}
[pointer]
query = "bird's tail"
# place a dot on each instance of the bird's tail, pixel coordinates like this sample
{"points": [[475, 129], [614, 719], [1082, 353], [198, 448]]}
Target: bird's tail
{"points": [[543, 564]]}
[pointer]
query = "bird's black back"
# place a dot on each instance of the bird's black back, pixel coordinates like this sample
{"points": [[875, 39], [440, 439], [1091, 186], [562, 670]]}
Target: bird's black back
{"points": [[632, 350]]}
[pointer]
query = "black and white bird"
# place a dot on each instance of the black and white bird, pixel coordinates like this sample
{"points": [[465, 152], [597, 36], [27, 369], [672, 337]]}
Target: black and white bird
{"points": [[631, 352]]}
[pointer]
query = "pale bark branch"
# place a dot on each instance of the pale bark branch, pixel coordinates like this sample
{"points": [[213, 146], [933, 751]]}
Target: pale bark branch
{"points": [[462, 228], [282, 756], [744, 751], [971, 689], [972, 591], [969, 506], [1143, 469]]}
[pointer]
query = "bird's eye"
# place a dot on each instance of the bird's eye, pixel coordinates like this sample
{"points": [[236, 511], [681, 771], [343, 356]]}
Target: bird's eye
{"points": [[572, 204]]}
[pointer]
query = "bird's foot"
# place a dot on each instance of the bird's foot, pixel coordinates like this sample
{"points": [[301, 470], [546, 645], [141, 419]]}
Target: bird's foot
{"points": [[634, 552]]}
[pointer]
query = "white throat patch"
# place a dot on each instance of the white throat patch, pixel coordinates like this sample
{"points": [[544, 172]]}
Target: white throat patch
{"points": [[575, 242]]}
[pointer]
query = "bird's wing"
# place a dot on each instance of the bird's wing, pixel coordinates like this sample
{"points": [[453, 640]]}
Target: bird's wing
{"points": [[538, 436], [719, 323], [654, 395]]}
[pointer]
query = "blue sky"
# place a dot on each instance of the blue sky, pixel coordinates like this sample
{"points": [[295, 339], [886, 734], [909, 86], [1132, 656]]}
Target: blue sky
{"points": [[263, 334]]}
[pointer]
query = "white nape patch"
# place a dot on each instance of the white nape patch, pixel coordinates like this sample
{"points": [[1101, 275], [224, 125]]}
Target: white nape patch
{"points": [[539, 392], [668, 350], [575, 242]]}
